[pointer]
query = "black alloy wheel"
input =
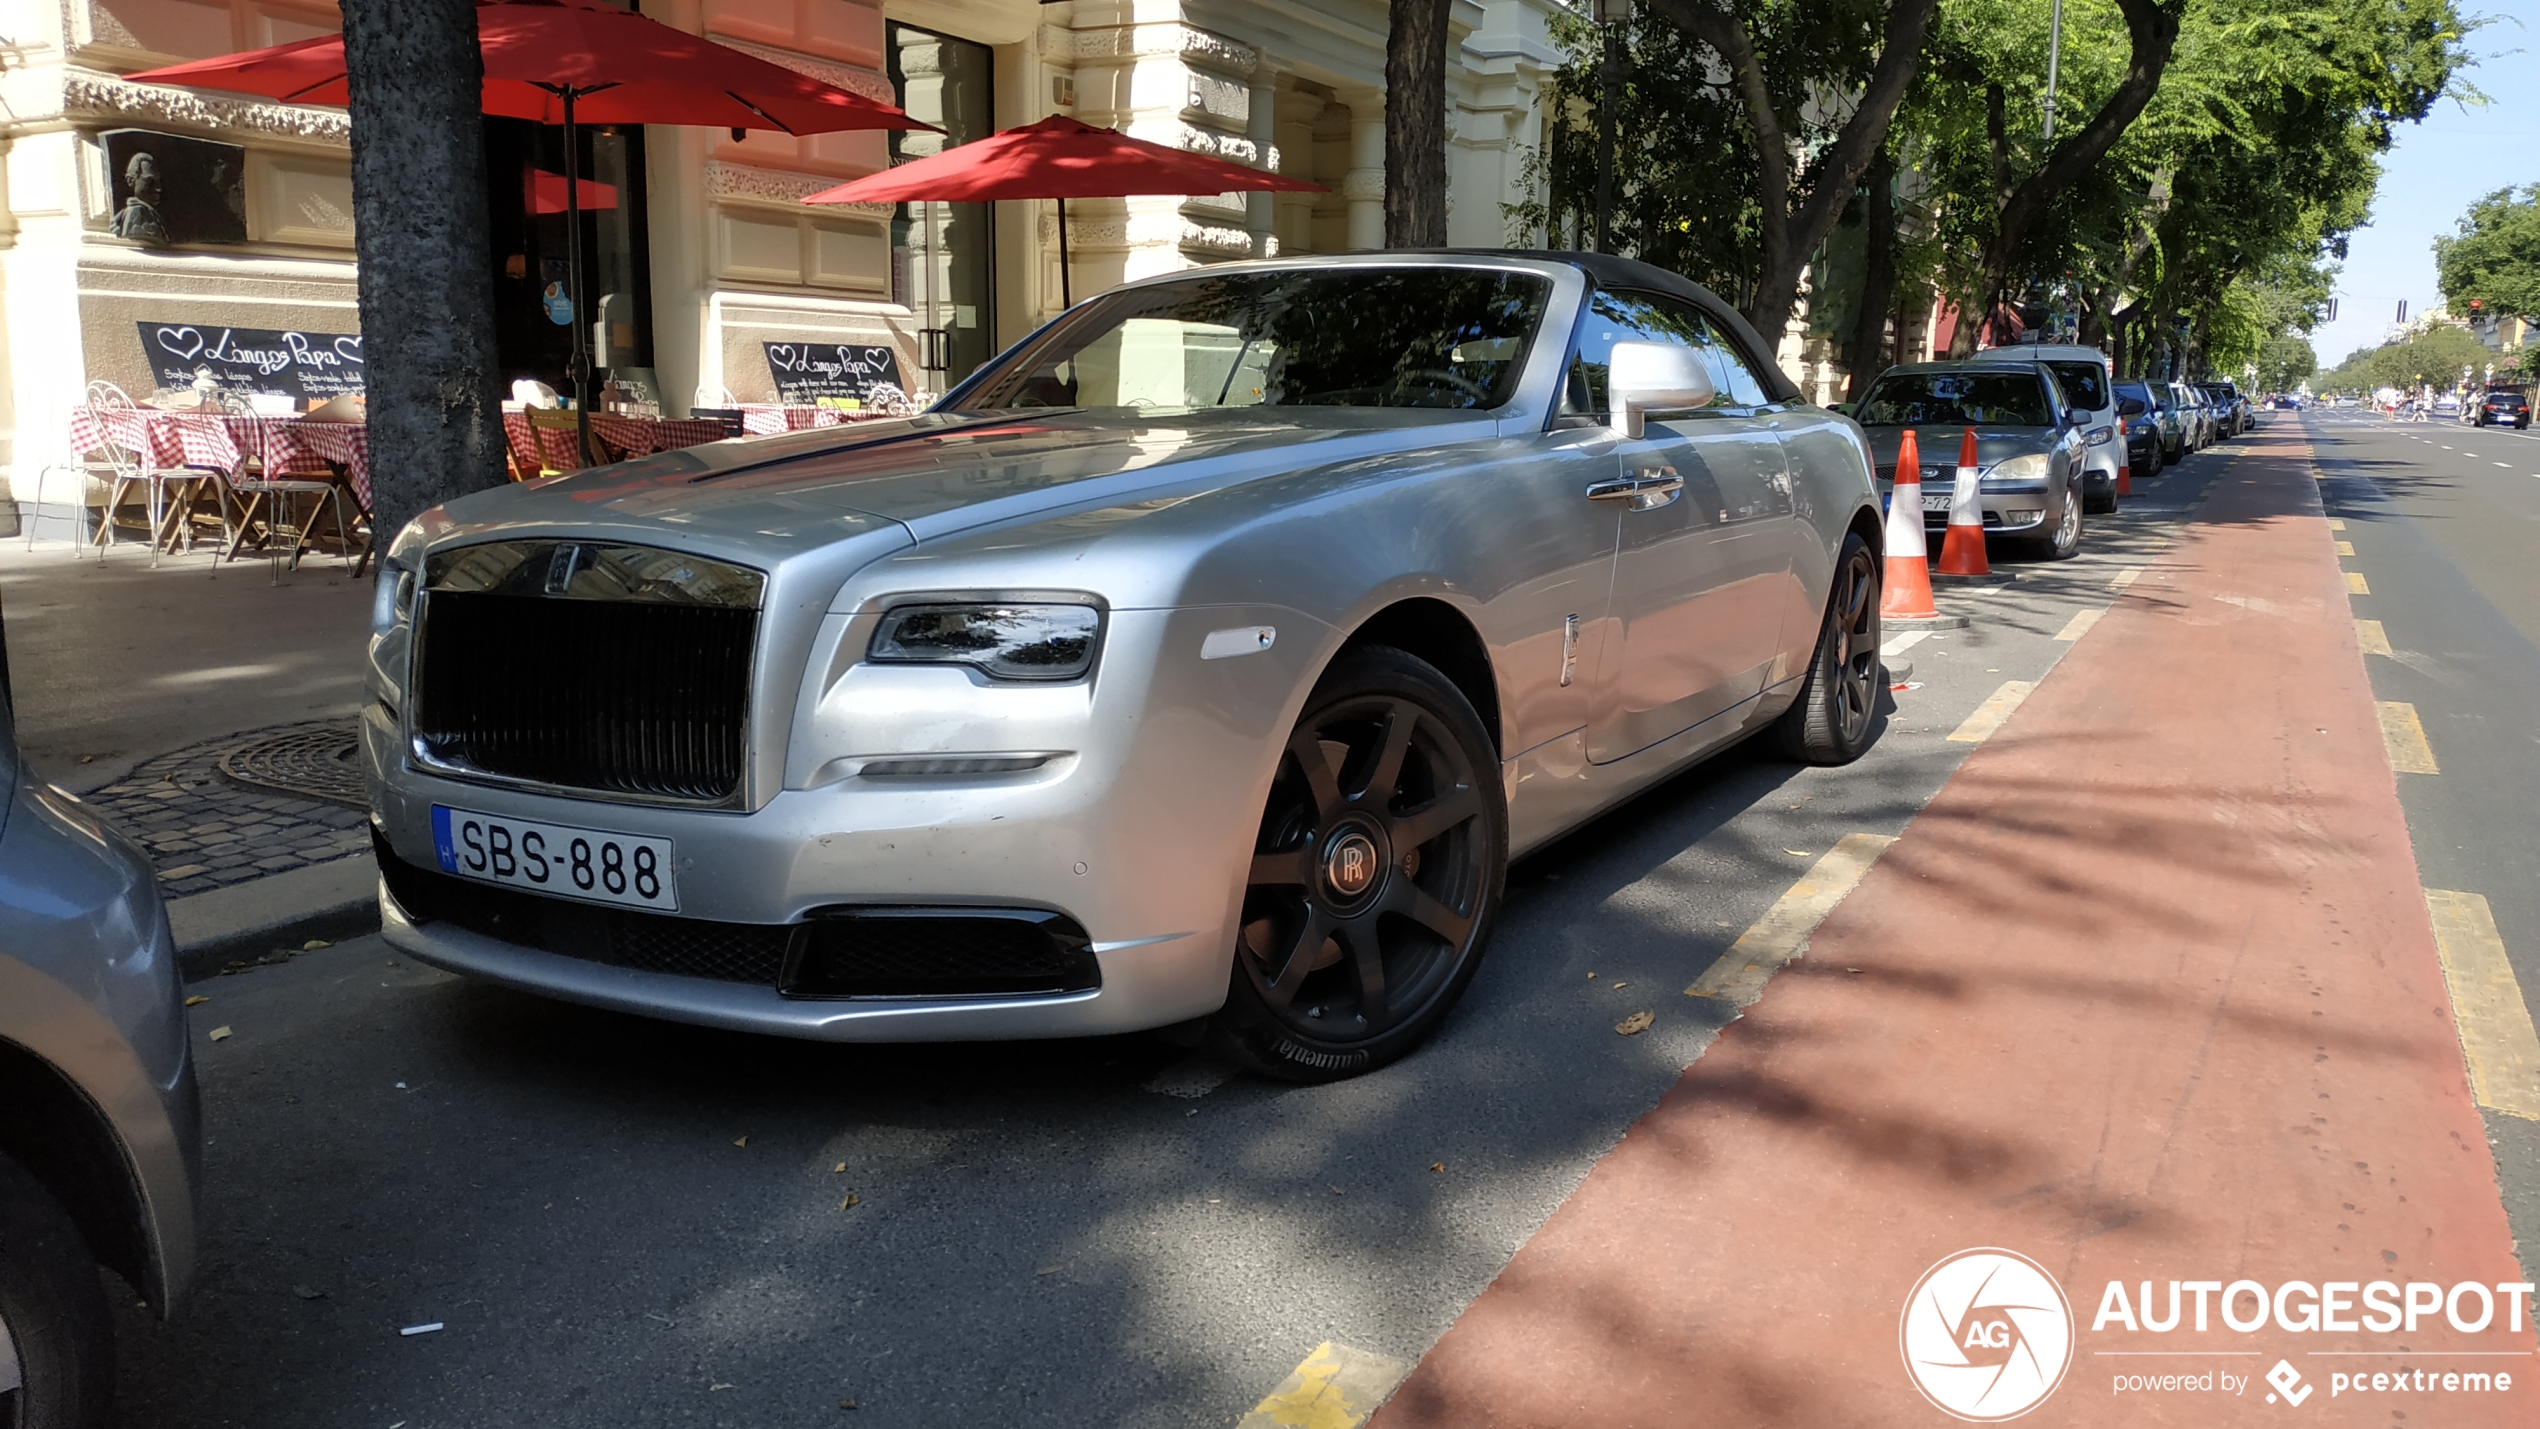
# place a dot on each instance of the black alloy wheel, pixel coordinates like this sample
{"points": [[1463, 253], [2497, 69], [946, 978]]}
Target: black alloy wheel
{"points": [[1831, 721], [57, 1340], [1377, 870]]}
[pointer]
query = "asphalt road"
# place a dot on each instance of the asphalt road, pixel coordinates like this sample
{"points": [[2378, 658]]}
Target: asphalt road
{"points": [[2444, 521], [618, 1221]]}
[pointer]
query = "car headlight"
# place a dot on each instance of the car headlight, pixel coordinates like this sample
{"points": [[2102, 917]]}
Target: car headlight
{"points": [[1003, 642], [2101, 436], [2018, 471], [392, 598]]}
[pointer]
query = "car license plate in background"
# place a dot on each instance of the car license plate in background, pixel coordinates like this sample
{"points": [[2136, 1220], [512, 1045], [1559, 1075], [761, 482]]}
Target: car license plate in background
{"points": [[556, 858], [1936, 501]]}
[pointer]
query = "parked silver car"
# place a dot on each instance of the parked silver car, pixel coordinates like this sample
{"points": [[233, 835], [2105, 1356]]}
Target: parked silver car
{"points": [[100, 1129], [2030, 446], [1204, 657], [2089, 390]]}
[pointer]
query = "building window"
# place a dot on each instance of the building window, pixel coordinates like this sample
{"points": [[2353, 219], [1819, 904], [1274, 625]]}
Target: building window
{"points": [[943, 255]]}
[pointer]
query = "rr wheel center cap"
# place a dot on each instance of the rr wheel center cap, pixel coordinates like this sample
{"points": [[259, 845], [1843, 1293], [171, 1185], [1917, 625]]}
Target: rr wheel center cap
{"points": [[1351, 863]]}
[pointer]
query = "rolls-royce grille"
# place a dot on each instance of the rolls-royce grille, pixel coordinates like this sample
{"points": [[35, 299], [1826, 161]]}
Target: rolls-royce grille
{"points": [[621, 697]]}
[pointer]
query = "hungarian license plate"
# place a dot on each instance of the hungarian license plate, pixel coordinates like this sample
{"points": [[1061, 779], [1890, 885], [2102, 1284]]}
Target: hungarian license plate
{"points": [[1936, 501], [629, 869]]}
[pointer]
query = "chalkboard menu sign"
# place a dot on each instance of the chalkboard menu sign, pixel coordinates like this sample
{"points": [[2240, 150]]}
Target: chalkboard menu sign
{"points": [[255, 359], [805, 372]]}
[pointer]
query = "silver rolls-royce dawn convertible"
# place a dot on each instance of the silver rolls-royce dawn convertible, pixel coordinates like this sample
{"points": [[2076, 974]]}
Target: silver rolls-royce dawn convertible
{"points": [[1199, 663]]}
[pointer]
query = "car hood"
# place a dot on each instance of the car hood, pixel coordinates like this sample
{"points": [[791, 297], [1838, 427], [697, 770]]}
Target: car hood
{"points": [[1939, 445], [936, 474]]}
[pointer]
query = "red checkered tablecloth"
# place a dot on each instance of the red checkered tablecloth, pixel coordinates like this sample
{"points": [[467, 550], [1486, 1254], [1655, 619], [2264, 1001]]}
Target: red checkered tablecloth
{"points": [[625, 435], [169, 441], [164, 441], [764, 418]]}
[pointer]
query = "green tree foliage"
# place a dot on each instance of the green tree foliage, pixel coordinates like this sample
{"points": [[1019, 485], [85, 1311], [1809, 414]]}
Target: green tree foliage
{"points": [[2435, 356], [2494, 260], [2284, 363]]}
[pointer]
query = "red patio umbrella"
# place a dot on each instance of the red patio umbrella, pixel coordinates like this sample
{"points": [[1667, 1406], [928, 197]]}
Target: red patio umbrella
{"points": [[1058, 158], [547, 59]]}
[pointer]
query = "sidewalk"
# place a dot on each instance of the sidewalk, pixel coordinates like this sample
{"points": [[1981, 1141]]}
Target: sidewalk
{"points": [[204, 710], [2146, 995]]}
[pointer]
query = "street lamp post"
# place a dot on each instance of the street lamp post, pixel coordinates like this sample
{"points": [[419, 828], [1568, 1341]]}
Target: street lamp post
{"points": [[2054, 48]]}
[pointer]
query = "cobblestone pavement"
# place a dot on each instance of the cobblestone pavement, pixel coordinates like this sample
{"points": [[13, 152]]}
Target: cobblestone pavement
{"points": [[204, 830]]}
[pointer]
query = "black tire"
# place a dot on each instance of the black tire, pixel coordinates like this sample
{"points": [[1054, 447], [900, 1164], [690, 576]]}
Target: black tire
{"points": [[2062, 540], [2099, 505], [52, 1311], [1375, 878], [1837, 709]]}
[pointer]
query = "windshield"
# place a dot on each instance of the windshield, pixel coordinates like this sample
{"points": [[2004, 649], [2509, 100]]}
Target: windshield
{"points": [[1325, 337], [2085, 384], [1992, 399]]}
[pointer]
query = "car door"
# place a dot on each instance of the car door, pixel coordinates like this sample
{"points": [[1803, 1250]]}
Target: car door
{"points": [[1699, 570]]}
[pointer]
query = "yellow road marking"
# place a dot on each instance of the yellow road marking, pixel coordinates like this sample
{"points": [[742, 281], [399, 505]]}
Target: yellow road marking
{"points": [[2355, 584], [2370, 638], [2335, 524], [2345, 548], [1781, 935], [2494, 1022], [1335, 1388], [2125, 578], [2079, 625], [2405, 738], [1990, 715]]}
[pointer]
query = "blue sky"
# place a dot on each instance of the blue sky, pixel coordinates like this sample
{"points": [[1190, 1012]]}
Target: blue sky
{"points": [[2434, 172]]}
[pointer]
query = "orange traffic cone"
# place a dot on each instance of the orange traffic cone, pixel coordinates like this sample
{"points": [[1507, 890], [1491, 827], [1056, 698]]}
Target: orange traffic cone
{"points": [[1962, 550], [2125, 464], [1908, 585]]}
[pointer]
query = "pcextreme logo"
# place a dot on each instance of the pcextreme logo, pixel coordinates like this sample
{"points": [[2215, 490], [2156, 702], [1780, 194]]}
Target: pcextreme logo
{"points": [[1986, 1335]]}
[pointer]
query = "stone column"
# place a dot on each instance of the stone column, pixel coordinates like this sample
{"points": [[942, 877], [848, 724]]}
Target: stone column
{"points": [[1261, 126], [1364, 185]]}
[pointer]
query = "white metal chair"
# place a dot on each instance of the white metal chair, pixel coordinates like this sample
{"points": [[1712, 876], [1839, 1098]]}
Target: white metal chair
{"points": [[107, 461]]}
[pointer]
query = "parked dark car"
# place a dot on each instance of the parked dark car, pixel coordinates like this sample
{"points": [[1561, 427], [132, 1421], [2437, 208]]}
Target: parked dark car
{"points": [[99, 1127], [2161, 413], [2142, 437], [2504, 409]]}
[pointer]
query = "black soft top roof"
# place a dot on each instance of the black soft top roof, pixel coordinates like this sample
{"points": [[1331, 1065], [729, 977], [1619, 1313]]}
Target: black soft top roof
{"points": [[1610, 271]]}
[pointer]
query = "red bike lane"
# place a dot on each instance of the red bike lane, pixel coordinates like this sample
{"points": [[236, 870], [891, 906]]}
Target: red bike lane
{"points": [[2147, 995]]}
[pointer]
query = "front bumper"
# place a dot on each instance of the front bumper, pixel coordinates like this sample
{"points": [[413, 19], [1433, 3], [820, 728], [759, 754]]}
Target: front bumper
{"points": [[2006, 513]]}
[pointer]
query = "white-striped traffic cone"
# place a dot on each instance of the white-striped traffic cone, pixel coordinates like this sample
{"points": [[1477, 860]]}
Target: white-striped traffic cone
{"points": [[1907, 591]]}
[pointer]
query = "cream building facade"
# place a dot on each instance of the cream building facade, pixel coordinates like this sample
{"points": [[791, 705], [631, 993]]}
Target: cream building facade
{"points": [[703, 253]]}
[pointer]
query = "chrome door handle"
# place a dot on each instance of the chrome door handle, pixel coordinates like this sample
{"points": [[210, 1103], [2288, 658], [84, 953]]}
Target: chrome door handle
{"points": [[1617, 488]]}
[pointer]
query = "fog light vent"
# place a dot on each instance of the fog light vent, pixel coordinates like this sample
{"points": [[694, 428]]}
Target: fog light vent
{"points": [[938, 952]]}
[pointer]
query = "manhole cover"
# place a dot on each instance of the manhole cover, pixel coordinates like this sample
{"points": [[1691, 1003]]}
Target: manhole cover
{"points": [[321, 762]]}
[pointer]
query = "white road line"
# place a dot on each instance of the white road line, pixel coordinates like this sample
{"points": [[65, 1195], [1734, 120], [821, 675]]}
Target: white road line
{"points": [[1989, 716], [2080, 624], [2497, 1041], [1899, 644], [1781, 935]]}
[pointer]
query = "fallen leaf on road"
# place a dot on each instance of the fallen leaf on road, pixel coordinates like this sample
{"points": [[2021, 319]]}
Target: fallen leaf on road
{"points": [[1852, 970], [1636, 1024], [838, 1170], [305, 1293], [196, 1000], [1796, 852], [850, 1201], [1337, 1191], [740, 1141], [1437, 1165], [313, 944], [1618, 987], [220, 1034], [711, 1388], [1591, 974], [846, 1404]]}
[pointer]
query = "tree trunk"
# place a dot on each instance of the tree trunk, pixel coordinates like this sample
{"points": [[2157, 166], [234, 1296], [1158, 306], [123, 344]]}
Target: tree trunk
{"points": [[1866, 353], [1415, 124], [1791, 233], [420, 233], [2152, 33]]}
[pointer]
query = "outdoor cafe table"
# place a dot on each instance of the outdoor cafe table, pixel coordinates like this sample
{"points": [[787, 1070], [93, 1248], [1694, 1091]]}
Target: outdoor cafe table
{"points": [[220, 442], [763, 418], [626, 436]]}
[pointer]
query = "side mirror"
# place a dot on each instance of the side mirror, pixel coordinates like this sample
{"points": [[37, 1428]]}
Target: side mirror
{"points": [[2131, 407], [1645, 377]]}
